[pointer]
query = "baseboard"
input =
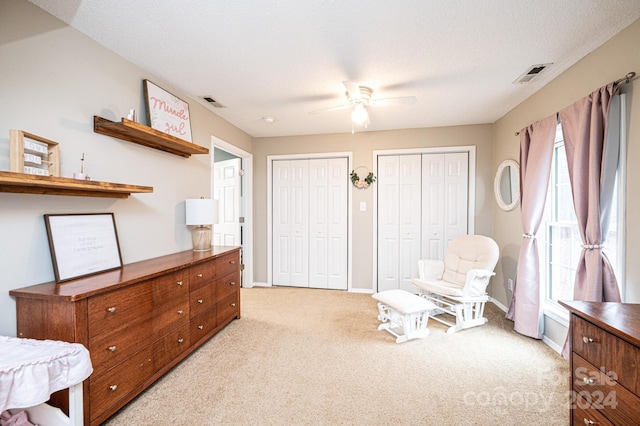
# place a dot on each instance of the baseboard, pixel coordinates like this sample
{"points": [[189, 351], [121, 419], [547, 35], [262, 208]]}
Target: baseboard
{"points": [[498, 304], [361, 290], [553, 345], [258, 284]]}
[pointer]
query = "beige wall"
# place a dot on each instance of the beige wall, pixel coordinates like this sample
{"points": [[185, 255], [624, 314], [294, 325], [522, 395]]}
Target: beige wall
{"points": [[610, 62], [362, 146], [52, 81]]}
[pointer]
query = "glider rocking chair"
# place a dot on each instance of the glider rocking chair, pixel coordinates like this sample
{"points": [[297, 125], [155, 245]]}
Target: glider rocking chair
{"points": [[457, 285]]}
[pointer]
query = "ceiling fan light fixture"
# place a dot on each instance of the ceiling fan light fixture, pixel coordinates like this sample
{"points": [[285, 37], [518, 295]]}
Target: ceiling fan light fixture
{"points": [[359, 115]]}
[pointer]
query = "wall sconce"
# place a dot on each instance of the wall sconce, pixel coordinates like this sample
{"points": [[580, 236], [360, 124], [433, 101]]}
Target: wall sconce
{"points": [[201, 213]]}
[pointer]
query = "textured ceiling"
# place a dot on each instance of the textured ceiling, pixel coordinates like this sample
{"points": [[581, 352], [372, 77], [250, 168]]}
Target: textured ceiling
{"points": [[285, 58]]}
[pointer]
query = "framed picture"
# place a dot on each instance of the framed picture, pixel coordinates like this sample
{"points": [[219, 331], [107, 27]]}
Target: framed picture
{"points": [[82, 244], [167, 113]]}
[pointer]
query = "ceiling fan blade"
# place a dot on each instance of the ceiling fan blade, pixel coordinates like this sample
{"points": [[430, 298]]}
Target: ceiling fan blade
{"points": [[404, 100], [353, 89], [334, 108]]}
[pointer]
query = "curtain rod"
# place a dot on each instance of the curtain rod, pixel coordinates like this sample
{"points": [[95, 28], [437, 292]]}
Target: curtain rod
{"points": [[627, 78]]}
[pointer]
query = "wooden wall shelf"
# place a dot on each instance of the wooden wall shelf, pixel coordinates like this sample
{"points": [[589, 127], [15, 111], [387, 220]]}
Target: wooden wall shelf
{"points": [[144, 135], [49, 185]]}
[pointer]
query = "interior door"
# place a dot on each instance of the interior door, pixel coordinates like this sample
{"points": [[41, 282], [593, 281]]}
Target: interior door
{"points": [[290, 223], [328, 186], [227, 190]]}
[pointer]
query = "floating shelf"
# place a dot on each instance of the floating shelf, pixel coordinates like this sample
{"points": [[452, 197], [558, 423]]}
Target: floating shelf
{"points": [[49, 185], [144, 135]]}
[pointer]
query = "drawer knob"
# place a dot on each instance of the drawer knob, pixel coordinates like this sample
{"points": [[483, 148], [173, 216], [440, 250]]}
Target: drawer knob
{"points": [[200, 300], [112, 348], [200, 327], [233, 262], [589, 422], [233, 304], [232, 283], [588, 381], [180, 340], [199, 275], [113, 387], [587, 339], [180, 312], [111, 309], [179, 283]]}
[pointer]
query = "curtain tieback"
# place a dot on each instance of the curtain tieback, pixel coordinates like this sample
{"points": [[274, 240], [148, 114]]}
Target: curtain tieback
{"points": [[592, 246], [529, 236]]}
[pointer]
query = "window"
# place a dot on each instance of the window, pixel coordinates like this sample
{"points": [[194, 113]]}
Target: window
{"points": [[561, 246]]}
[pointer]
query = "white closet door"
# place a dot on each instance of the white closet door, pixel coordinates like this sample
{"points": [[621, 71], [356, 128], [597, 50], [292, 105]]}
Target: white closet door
{"points": [[299, 223], [433, 242], [445, 203], [310, 217], [328, 186], [226, 189], [398, 220], [409, 206], [281, 223], [388, 218], [456, 208], [290, 223]]}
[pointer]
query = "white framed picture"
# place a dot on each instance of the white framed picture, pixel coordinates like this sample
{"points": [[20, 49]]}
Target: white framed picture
{"points": [[166, 112], [82, 244]]}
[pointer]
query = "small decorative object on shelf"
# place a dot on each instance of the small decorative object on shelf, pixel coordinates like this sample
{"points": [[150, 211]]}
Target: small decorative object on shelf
{"points": [[33, 155], [359, 182], [82, 175]]}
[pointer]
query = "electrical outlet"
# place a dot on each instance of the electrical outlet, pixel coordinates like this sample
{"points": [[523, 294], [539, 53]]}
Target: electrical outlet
{"points": [[510, 284]]}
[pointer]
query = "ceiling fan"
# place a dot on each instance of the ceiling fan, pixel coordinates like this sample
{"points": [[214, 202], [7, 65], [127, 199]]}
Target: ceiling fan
{"points": [[359, 98]]}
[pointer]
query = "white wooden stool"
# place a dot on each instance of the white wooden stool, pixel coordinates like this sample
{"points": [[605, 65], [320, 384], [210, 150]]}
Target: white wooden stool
{"points": [[401, 309]]}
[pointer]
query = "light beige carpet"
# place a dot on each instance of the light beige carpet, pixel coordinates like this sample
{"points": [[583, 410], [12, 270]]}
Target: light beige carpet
{"points": [[315, 357]]}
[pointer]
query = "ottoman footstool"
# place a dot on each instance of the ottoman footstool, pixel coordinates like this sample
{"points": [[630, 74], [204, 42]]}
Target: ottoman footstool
{"points": [[402, 311]]}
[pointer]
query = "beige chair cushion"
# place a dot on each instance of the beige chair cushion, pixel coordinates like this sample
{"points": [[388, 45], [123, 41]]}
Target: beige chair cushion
{"points": [[467, 252]]}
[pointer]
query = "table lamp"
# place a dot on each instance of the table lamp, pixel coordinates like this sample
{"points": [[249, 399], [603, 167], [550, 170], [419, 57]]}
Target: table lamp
{"points": [[201, 213]]}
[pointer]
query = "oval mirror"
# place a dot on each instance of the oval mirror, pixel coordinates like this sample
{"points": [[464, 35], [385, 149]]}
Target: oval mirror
{"points": [[507, 185]]}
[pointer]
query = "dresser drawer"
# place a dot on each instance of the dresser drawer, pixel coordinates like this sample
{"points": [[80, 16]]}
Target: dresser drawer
{"points": [[587, 340], [170, 315], [605, 394], [227, 263], [121, 308], [227, 285], [109, 349], [202, 274], [226, 309], [170, 346], [583, 414], [202, 325], [201, 300], [171, 286], [108, 389]]}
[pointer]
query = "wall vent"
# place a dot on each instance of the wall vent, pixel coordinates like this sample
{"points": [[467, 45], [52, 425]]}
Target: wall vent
{"points": [[213, 102], [531, 73]]}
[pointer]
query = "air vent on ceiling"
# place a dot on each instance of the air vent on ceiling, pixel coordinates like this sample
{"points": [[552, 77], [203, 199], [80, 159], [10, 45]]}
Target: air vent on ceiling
{"points": [[213, 102], [531, 73]]}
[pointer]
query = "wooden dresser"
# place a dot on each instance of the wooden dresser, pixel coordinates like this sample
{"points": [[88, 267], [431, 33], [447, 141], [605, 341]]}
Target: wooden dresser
{"points": [[605, 363], [137, 321]]}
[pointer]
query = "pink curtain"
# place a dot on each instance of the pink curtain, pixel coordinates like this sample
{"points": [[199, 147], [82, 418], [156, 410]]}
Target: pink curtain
{"points": [[584, 126], [536, 154]]}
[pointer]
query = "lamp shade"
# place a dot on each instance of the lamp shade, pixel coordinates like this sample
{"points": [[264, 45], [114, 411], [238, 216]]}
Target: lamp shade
{"points": [[201, 211]]}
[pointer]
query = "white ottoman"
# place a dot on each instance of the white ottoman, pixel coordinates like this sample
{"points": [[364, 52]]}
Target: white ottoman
{"points": [[399, 309]]}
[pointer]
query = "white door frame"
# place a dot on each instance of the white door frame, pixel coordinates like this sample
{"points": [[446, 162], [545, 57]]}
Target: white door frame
{"points": [[270, 160], [247, 200], [471, 218]]}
